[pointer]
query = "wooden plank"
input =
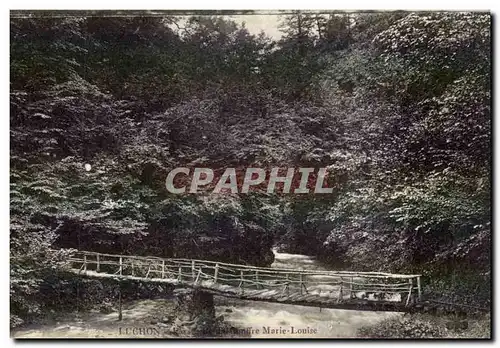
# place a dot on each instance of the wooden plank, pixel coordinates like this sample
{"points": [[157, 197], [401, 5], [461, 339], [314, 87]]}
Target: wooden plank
{"points": [[267, 293], [259, 293], [300, 298], [294, 296], [311, 297]]}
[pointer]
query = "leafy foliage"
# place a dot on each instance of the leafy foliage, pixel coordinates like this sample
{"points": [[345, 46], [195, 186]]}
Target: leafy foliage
{"points": [[405, 328], [395, 105]]}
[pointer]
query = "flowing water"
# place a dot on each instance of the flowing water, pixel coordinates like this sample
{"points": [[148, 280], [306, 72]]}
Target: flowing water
{"points": [[256, 319], [263, 319]]}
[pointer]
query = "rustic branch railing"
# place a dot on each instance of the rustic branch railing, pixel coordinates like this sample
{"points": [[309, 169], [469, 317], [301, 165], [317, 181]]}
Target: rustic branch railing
{"points": [[340, 285]]}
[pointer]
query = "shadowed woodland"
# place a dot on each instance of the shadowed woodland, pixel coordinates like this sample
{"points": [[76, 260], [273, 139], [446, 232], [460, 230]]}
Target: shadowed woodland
{"points": [[396, 105]]}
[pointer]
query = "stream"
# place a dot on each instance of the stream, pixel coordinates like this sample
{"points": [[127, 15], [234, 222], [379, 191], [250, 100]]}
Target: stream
{"points": [[290, 321], [256, 319]]}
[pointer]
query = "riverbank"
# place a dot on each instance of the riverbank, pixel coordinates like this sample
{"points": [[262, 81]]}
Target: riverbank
{"points": [[430, 326], [159, 319], [138, 315]]}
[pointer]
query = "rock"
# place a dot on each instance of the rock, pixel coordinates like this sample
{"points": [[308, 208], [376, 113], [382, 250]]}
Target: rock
{"points": [[361, 295], [154, 321], [168, 320], [228, 310]]}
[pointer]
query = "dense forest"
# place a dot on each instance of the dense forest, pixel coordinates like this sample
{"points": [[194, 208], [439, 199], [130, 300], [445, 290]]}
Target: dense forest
{"points": [[396, 105]]}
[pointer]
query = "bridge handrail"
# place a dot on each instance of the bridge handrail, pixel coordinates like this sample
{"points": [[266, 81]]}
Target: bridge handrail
{"points": [[238, 267], [193, 272]]}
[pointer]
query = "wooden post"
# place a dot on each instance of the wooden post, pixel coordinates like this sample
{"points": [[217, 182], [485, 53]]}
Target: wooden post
{"points": [[132, 266], [120, 315], [121, 265], [351, 285], [216, 273], [241, 282], [179, 278], [304, 280], [78, 296], [419, 285], [300, 280], [85, 262], [409, 292], [98, 265], [162, 269], [192, 269], [341, 295]]}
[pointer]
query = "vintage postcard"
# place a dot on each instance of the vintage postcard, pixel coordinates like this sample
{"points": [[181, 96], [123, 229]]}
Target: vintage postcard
{"points": [[250, 174]]}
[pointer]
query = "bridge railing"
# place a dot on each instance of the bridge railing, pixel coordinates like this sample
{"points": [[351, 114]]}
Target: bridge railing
{"points": [[376, 286]]}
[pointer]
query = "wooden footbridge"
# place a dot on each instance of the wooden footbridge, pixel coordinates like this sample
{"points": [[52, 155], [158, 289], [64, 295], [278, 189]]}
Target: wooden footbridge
{"points": [[327, 289]]}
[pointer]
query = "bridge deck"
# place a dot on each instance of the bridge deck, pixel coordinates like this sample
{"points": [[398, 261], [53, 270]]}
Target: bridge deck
{"points": [[327, 289]]}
